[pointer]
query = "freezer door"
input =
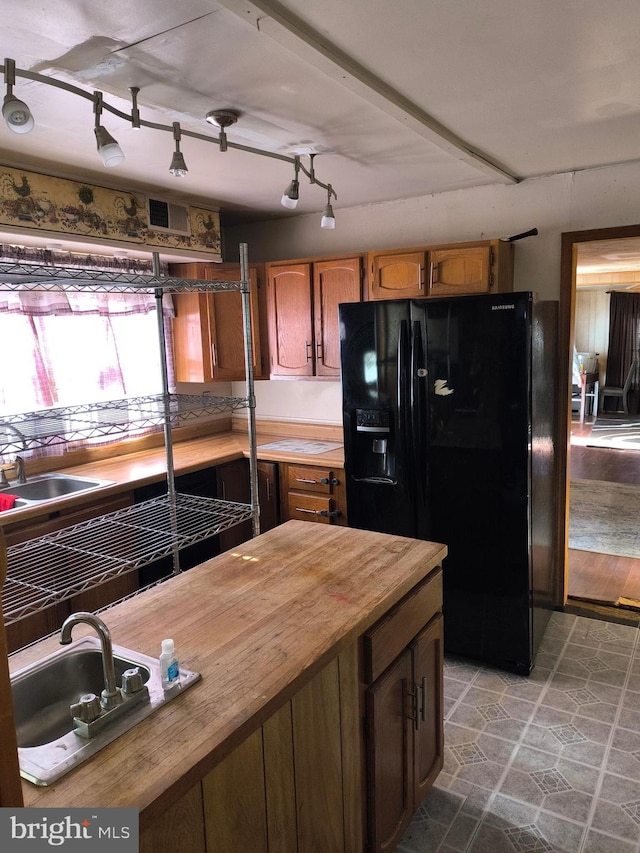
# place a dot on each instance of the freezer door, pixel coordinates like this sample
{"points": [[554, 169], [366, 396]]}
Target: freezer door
{"points": [[375, 342], [479, 362]]}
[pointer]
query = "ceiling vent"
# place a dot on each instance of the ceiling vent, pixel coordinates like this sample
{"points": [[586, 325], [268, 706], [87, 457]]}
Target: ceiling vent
{"points": [[165, 216]]}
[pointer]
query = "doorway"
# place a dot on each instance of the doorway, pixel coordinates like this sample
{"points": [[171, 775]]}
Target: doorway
{"points": [[605, 572]]}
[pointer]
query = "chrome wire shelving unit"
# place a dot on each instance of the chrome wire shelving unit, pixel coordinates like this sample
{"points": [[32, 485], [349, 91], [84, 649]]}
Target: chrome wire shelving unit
{"points": [[47, 570], [112, 419]]}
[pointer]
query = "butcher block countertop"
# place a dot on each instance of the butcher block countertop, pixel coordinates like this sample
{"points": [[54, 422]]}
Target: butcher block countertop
{"points": [[133, 470], [257, 624]]}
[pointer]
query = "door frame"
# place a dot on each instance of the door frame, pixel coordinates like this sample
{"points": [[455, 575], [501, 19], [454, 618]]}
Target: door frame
{"points": [[566, 332]]}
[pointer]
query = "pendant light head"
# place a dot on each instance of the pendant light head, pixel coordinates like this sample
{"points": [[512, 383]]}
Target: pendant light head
{"points": [[178, 167], [328, 219], [108, 149], [15, 112], [292, 193]]}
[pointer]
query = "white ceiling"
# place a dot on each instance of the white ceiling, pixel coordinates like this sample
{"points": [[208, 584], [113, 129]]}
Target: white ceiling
{"points": [[398, 99]]}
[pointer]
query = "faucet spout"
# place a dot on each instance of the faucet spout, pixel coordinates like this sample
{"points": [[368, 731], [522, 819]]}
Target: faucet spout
{"points": [[111, 695]]}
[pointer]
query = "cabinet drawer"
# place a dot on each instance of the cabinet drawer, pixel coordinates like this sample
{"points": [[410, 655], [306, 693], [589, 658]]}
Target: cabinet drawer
{"points": [[308, 479], [386, 640], [311, 507]]}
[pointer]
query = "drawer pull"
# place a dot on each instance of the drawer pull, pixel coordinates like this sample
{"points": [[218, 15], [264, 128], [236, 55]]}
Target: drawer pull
{"points": [[303, 480], [325, 513]]}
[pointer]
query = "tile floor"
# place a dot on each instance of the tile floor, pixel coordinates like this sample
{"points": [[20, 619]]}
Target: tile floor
{"points": [[545, 763]]}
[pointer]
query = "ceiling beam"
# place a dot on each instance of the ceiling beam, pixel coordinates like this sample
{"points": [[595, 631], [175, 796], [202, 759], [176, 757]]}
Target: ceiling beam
{"points": [[275, 21]]}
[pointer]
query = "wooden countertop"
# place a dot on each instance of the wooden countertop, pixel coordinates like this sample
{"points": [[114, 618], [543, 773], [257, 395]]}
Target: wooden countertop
{"points": [[148, 466], [257, 623]]}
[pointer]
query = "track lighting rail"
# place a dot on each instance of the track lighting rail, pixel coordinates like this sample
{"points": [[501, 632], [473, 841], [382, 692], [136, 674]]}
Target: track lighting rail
{"points": [[19, 119]]}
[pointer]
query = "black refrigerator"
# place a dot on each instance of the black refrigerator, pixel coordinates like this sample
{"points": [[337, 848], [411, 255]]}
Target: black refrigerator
{"points": [[448, 414]]}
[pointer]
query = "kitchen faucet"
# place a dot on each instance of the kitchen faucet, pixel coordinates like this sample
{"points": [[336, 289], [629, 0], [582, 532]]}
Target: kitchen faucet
{"points": [[111, 696], [19, 463]]}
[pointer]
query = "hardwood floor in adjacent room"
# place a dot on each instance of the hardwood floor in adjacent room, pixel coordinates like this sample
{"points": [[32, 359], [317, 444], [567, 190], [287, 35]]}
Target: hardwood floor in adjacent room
{"points": [[603, 578]]}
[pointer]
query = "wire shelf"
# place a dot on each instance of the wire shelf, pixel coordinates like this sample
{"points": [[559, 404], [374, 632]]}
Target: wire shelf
{"points": [[32, 430], [55, 567], [23, 276]]}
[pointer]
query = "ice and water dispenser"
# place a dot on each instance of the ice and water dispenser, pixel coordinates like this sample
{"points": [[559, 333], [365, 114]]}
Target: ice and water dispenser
{"points": [[373, 457]]}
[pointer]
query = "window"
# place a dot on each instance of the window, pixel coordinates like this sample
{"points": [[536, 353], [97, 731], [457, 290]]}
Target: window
{"points": [[65, 349]]}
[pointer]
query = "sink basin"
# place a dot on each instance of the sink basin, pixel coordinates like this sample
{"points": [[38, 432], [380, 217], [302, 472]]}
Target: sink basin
{"points": [[46, 487], [43, 692]]}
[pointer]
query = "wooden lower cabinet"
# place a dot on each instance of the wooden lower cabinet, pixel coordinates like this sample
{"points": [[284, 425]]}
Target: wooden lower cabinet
{"points": [[405, 741], [403, 664], [343, 764], [293, 786], [313, 493]]}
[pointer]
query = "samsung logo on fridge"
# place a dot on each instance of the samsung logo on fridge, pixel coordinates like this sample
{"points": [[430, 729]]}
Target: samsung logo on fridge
{"points": [[509, 307]]}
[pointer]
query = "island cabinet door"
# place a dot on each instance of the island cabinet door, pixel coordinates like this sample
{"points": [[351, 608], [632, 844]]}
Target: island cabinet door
{"points": [[389, 761], [427, 653]]}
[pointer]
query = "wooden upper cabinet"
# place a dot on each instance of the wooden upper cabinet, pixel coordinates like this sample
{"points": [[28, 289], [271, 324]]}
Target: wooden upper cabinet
{"points": [[208, 327], [290, 320], [333, 282], [398, 276], [303, 299], [454, 270]]}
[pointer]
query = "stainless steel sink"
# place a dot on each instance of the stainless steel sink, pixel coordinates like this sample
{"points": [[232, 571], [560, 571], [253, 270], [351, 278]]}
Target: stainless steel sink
{"points": [[46, 487], [43, 693]]}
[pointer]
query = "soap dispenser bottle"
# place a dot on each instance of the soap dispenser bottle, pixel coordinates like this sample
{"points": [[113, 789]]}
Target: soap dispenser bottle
{"points": [[169, 668]]}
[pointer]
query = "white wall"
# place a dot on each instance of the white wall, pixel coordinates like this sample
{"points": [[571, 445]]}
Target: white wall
{"points": [[575, 201]]}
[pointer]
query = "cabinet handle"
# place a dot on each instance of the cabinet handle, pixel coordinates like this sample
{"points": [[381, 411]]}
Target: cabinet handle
{"points": [[423, 699], [318, 350], [420, 277], [213, 354], [309, 346], [309, 511], [268, 485], [303, 480], [433, 274], [414, 713]]}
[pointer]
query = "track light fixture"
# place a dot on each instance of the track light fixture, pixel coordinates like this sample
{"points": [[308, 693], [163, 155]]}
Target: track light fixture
{"points": [[291, 194], [16, 113], [108, 149], [328, 219], [222, 119], [178, 167], [19, 119]]}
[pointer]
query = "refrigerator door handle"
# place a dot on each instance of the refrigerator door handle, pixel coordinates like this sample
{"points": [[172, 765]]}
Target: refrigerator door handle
{"points": [[403, 381], [418, 404]]}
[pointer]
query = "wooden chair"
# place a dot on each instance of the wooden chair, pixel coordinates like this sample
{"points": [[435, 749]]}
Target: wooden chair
{"points": [[620, 392]]}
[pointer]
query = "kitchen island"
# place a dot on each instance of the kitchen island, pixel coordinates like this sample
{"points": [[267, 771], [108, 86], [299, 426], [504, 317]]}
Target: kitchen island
{"points": [[268, 749]]}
